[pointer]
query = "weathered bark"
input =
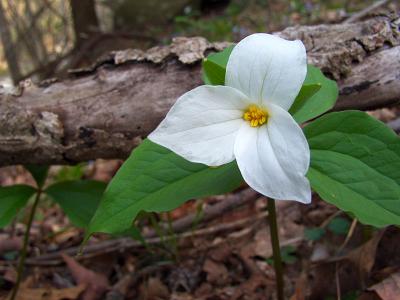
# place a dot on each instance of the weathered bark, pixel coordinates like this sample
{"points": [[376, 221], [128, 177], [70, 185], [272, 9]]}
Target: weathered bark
{"points": [[105, 111]]}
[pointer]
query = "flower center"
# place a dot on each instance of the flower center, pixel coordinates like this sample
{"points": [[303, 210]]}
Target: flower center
{"points": [[255, 115]]}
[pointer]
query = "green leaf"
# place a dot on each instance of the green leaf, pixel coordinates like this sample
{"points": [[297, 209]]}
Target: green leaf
{"points": [[69, 173], [314, 234], [134, 233], [12, 199], [339, 226], [214, 67], [313, 101], [79, 199], [306, 92], [355, 165], [317, 95], [39, 173], [10, 255], [288, 254], [154, 179]]}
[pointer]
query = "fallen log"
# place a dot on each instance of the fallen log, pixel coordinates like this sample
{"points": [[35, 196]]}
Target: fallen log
{"points": [[104, 111]]}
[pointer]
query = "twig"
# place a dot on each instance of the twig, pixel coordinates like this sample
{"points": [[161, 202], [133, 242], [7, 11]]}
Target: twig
{"points": [[157, 240], [337, 279], [232, 201], [330, 218], [358, 16], [13, 228], [224, 226], [213, 211], [348, 236]]}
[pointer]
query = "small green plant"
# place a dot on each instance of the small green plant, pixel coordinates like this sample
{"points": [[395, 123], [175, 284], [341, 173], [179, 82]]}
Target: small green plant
{"points": [[214, 28], [314, 234], [67, 173], [339, 226], [78, 198], [288, 256]]}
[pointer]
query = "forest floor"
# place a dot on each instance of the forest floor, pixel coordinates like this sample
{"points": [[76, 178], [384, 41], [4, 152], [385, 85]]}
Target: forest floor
{"points": [[223, 255], [325, 252]]}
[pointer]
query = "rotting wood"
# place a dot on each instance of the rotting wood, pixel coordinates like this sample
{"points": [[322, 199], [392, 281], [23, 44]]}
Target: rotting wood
{"points": [[106, 110]]}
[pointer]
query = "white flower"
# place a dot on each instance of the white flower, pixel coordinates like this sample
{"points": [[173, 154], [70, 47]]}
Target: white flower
{"points": [[248, 119]]}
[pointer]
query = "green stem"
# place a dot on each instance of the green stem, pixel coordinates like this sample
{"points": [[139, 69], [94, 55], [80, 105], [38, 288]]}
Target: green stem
{"points": [[367, 232], [275, 247], [24, 250]]}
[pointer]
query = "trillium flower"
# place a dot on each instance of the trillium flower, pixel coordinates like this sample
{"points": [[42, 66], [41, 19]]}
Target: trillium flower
{"points": [[248, 119]]}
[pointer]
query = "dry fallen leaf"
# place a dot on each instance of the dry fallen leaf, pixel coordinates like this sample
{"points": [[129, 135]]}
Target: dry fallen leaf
{"points": [[217, 273], [10, 244], [300, 288], [250, 287], [388, 289], [25, 292], [352, 270], [51, 294], [364, 256], [65, 235], [154, 289], [10, 275], [97, 284], [104, 170], [261, 245], [384, 114]]}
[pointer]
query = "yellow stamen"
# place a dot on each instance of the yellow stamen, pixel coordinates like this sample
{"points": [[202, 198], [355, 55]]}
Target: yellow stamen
{"points": [[255, 115]]}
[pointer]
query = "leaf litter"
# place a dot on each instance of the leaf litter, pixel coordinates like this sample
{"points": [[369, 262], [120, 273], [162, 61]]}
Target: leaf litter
{"points": [[233, 262]]}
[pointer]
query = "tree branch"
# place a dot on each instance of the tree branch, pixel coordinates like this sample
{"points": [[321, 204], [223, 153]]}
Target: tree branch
{"points": [[104, 111]]}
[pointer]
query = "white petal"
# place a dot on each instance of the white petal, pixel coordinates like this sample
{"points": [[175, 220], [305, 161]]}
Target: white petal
{"points": [[268, 69], [288, 140], [203, 124], [274, 158]]}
